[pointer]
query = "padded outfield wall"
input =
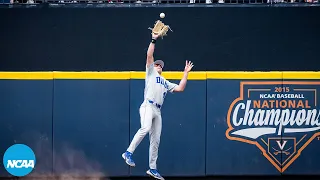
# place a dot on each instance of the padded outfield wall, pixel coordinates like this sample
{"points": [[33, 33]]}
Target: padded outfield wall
{"points": [[225, 123]]}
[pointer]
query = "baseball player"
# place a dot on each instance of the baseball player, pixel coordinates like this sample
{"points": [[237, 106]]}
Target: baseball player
{"points": [[156, 88]]}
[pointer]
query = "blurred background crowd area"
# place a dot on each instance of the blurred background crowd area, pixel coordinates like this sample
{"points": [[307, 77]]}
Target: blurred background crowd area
{"points": [[159, 1]]}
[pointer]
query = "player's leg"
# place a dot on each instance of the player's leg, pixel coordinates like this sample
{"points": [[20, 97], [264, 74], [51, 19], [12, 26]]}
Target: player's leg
{"points": [[155, 135], [146, 116]]}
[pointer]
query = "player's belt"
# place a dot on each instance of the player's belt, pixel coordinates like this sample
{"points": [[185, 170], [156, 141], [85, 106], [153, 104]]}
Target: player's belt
{"points": [[156, 104]]}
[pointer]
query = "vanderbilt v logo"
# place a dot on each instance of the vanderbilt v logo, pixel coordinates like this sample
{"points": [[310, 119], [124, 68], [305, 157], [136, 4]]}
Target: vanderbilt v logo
{"points": [[281, 146]]}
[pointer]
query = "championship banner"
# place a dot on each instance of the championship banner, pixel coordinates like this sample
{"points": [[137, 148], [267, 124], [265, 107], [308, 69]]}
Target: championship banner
{"points": [[263, 123], [280, 118]]}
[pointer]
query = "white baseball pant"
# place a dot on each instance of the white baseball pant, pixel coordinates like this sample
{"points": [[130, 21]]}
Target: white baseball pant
{"points": [[151, 122]]}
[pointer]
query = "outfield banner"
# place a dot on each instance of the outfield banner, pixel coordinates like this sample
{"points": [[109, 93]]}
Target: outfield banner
{"points": [[266, 123]]}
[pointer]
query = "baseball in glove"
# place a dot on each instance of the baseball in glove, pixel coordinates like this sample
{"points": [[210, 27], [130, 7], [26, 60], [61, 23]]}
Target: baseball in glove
{"points": [[160, 28]]}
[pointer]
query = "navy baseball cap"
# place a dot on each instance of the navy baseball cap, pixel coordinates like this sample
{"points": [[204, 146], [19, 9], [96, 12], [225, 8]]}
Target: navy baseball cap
{"points": [[159, 62]]}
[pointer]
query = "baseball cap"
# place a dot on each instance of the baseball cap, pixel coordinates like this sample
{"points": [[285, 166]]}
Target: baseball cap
{"points": [[159, 62]]}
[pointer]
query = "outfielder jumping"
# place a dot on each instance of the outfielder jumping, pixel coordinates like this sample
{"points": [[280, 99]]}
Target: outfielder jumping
{"points": [[156, 88]]}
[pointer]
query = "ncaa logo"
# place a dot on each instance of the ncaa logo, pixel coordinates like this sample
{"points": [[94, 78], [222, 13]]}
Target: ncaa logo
{"points": [[19, 160]]}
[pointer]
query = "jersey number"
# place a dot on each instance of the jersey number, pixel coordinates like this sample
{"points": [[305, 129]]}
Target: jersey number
{"points": [[164, 94]]}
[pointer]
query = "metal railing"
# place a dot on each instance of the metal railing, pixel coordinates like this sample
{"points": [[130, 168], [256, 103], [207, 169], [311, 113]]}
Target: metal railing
{"points": [[287, 2]]}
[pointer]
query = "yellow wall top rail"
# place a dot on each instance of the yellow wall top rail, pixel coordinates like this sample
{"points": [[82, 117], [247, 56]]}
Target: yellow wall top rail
{"points": [[174, 75]]}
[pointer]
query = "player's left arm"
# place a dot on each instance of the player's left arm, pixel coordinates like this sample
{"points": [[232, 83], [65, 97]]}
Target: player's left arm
{"points": [[183, 82]]}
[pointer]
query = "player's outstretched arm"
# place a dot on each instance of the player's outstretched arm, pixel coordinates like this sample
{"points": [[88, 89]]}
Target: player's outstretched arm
{"points": [[150, 51], [183, 81]]}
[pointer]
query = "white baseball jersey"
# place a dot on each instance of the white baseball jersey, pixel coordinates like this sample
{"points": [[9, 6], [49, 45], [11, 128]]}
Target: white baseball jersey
{"points": [[156, 86]]}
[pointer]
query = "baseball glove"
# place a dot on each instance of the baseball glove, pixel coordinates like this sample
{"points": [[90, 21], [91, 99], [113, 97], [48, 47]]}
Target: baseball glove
{"points": [[160, 28]]}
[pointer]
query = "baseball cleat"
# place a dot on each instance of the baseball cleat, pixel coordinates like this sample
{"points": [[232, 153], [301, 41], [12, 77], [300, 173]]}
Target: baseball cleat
{"points": [[154, 173], [128, 159]]}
